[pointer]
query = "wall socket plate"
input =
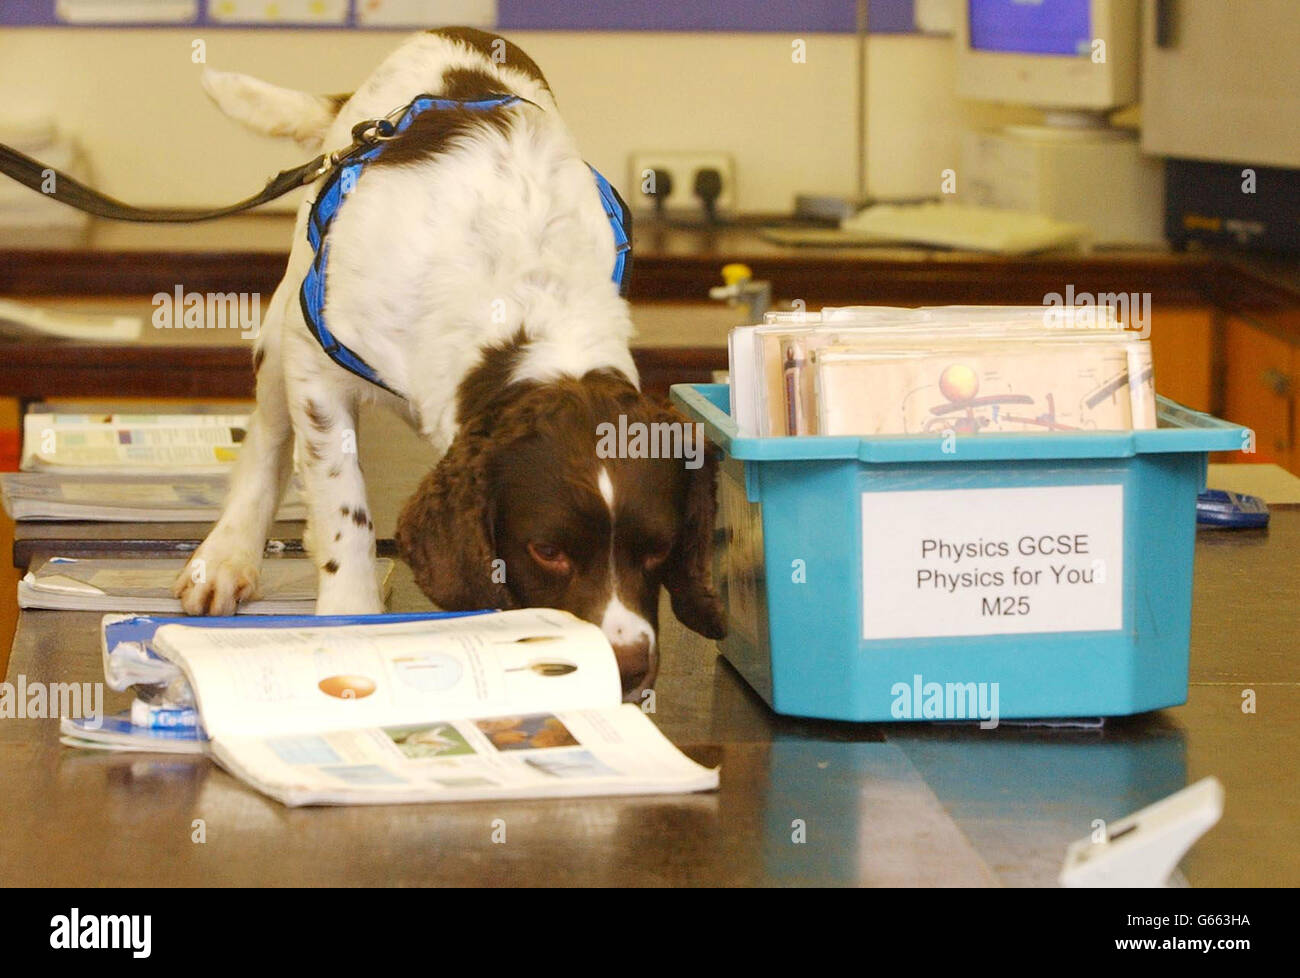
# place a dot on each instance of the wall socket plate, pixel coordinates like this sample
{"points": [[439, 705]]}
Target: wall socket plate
{"points": [[682, 168]]}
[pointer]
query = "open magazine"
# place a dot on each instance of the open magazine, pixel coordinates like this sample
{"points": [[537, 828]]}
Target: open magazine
{"points": [[514, 704]]}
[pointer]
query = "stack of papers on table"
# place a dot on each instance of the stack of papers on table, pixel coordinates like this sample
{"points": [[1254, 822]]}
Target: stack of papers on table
{"points": [[116, 498], [287, 585], [154, 444]]}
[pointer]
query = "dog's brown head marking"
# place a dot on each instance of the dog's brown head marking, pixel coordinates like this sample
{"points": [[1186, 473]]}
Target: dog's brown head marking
{"points": [[434, 133], [496, 49], [523, 510], [469, 84]]}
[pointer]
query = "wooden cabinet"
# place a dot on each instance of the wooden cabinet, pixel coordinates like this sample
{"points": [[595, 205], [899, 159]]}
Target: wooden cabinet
{"points": [[1182, 351], [1261, 372], [9, 427]]}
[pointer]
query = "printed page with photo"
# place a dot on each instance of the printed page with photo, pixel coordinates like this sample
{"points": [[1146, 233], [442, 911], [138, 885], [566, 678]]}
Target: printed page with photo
{"points": [[253, 681], [571, 753], [510, 705]]}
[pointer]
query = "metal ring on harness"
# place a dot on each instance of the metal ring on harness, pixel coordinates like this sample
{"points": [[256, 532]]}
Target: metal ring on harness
{"points": [[373, 131]]}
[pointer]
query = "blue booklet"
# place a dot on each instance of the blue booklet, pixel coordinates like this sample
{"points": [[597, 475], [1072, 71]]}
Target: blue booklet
{"points": [[119, 733]]}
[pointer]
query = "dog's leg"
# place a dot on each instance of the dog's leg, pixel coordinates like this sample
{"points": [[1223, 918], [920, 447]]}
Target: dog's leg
{"points": [[225, 568], [342, 532]]}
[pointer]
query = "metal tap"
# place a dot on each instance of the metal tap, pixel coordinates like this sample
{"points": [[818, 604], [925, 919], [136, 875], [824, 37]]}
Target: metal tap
{"points": [[742, 289]]}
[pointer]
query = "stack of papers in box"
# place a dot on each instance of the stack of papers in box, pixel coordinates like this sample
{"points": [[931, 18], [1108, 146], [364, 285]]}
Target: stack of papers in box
{"points": [[958, 369]]}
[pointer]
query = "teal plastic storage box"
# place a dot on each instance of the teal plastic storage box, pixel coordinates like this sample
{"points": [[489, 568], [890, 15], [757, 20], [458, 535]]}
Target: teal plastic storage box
{"points": [[961, 577]]}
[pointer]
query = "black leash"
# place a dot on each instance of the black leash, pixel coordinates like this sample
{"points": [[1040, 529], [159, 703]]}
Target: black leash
{"points": [[36, 176]]}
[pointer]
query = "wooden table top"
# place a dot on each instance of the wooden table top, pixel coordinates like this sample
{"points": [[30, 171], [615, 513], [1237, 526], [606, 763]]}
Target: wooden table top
{"points": [[880, 804]]}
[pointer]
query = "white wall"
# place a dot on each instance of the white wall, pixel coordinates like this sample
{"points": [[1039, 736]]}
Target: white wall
{"points": [[132, 99]]}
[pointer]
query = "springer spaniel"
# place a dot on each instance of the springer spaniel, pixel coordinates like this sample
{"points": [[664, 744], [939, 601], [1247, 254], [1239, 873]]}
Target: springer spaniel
{"points": [[470, 271]]}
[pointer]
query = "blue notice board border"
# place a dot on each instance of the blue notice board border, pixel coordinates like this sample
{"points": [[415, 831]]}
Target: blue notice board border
{"points": [[738, 16]]}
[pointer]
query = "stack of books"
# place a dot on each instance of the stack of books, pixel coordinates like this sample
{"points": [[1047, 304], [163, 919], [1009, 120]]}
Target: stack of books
{"points": [[147, 468], [135, 468], [142, 444], [287, 585]]}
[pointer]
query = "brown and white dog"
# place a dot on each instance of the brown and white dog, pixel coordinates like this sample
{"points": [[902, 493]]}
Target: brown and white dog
{"points": [[470, 266]]}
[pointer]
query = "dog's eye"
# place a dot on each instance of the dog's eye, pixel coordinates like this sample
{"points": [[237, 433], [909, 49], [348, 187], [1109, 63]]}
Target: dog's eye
{"points": [[653, 558], [551, 557]]}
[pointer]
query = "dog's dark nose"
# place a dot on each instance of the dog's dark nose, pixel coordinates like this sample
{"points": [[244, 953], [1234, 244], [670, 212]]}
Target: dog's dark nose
{"points": [[633, 641], [635, 667]]}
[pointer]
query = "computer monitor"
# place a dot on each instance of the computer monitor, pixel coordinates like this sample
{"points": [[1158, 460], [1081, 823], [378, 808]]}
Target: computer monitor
{"points": [[1079, 55]]}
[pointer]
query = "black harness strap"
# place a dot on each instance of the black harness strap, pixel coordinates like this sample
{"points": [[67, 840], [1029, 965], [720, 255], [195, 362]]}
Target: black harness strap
{"points": [[37, 176], [368, 140]]}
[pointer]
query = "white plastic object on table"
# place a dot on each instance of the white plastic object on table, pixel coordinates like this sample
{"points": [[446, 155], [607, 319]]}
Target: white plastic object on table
{"points": [[1144, 849]]}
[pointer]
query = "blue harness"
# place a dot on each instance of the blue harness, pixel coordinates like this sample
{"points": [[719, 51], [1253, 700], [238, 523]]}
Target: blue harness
{"points": [[343, 180]]}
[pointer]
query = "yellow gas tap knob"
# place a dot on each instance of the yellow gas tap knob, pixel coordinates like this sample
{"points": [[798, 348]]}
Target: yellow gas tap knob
{"points": [[735, 273]]}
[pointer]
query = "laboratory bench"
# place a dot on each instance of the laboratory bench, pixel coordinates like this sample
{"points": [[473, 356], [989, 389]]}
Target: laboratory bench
{"points": [[904, 804], [1225, 327], [875, 804]]}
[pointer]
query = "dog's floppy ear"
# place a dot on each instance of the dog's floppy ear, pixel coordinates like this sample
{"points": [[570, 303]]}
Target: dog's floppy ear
{"points": [[445, 531], [689, 574]]}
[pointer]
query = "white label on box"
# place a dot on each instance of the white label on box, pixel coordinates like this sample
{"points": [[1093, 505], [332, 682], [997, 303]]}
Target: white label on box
{"points": [[992, 561]]}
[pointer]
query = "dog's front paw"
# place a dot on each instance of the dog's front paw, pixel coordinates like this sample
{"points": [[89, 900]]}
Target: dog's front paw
{"points": [[209, 586]]}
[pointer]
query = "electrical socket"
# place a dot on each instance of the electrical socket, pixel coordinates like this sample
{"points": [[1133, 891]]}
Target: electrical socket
{"points": [[682, 168]]}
